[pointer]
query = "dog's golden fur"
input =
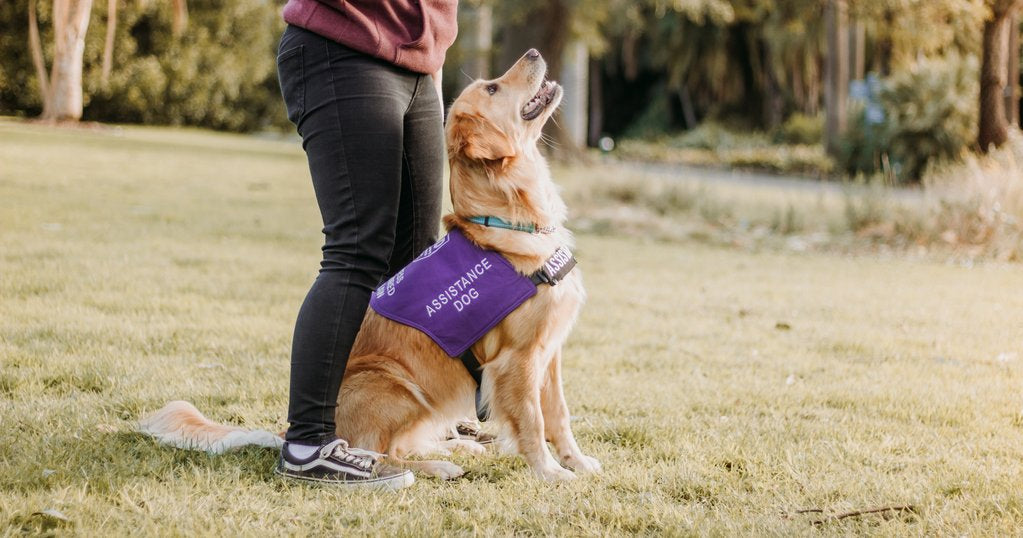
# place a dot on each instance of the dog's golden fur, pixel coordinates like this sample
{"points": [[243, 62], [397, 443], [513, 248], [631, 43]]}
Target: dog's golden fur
{"points": [[401, 392]]}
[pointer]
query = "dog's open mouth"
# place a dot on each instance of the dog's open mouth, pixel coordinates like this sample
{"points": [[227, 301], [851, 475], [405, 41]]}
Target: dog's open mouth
{"points": [[540, 101]]}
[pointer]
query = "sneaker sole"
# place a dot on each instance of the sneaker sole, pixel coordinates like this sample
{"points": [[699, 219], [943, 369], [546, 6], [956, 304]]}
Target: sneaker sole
{"points": [[484, 442], [393, 483]]}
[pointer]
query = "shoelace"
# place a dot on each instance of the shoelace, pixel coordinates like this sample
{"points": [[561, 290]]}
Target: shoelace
{"points": [[339, 449]]}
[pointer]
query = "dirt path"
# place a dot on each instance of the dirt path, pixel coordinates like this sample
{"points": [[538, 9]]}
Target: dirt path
{"points": [[750, 178]]}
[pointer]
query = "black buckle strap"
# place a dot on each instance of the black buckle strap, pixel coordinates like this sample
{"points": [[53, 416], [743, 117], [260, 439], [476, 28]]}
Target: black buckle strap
{"points": [[472, 364], [541, 277]]}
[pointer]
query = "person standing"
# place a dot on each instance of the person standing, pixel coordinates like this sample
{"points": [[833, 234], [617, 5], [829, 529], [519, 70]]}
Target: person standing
{"points": [[361, 82]]}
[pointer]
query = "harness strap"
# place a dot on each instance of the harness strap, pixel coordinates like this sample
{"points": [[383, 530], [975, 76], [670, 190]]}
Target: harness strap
{"points": [[472, 364]]}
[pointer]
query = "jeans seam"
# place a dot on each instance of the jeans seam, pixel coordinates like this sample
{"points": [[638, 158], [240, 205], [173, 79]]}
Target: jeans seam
{"points": [[325, 405], [412, 195], [415, 93]]}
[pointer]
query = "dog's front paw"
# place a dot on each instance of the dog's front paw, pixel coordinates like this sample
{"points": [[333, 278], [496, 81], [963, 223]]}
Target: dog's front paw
{"points": [[582, 463], [555, 473]]}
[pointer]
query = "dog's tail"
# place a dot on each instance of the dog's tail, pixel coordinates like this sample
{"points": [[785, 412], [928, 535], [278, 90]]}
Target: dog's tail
{"points": [[181, 425]]}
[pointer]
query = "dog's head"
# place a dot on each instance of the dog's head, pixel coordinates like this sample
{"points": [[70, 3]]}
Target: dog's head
{"points": [[493, 121]]}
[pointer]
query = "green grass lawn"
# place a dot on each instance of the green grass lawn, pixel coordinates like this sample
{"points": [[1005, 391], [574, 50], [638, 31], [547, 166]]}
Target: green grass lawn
{"points": [[722, 389]]}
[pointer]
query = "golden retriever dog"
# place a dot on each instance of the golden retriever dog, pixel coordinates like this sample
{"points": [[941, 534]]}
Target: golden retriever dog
{"points": [[401, 392]]}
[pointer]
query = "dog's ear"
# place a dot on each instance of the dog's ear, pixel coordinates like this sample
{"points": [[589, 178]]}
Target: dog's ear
{"points": [[478, 138]]}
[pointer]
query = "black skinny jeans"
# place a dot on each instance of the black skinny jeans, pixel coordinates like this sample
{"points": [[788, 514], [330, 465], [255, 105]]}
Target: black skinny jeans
{"points": [[373, 134]]}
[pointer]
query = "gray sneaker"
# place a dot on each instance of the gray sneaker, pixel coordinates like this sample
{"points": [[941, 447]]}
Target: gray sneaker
{"points": [[335, 463], [469, 431]]}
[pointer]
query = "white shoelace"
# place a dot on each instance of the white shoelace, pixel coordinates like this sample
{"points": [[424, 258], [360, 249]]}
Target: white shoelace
{"points": [[363, 459]]}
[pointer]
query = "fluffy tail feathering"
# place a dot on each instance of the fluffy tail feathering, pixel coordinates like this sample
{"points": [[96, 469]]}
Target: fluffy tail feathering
{"points": [[180, 424]]}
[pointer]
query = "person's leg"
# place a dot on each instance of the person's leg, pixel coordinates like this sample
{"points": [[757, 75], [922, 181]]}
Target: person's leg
{"points": [[351, 120], [422, 176]]}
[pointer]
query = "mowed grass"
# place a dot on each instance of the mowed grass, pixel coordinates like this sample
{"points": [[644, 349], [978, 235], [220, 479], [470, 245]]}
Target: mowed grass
{"points": [[723, 389]]}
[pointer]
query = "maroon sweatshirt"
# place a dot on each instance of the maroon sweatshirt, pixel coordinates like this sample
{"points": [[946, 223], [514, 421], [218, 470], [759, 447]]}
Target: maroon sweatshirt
{"points": [[414, 34]]}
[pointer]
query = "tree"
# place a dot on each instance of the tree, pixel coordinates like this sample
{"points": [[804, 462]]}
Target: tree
{"points": [[61, 90], [1012, 94], [836, 73], [993, 129]]}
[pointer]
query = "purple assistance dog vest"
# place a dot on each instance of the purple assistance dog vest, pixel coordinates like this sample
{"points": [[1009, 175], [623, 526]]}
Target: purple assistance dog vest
{"points": [[454, 292]]}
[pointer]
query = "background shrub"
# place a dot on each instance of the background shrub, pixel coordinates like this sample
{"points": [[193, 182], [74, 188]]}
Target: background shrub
{"points": [[220, 73], [930, 115], [801, 129]]}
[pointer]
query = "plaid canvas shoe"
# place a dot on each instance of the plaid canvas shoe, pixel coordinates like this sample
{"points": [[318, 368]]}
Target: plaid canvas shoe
{"points": [[335, 463], [470, 431]]}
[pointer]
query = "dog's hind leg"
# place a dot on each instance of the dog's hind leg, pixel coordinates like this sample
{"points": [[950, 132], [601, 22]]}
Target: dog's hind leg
{"points": [[377, 404], [556, 421], [381, 409]]}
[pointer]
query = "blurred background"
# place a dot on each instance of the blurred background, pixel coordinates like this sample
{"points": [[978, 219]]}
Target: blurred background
{"points": [[825, 88]]}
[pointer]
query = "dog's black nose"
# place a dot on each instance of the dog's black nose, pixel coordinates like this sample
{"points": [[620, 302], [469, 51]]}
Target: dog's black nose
{"points": [[532, 54]]}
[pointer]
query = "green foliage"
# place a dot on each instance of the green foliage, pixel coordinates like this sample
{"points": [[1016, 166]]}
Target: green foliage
{"points": [[930, 115], [932, 110], [714, 136], [914, 28], [801, 129], [19, 93], [864, 148], [761, 60], [219, 73]]}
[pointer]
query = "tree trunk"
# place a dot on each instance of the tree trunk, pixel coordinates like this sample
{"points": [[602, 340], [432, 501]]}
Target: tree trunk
{"points": [[836, 73], [35, 46], [993, 128], [859, 50], [476, 39], [685, 100], [575, 67], [813, 84], [476, 31], [1012, 94], [108, 45], [885, 48], [774, 100], [596, 122], [63, 101]]}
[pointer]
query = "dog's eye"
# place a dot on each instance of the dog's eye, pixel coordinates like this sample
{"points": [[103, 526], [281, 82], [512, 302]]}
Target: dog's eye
{"points": [[491, 89]]}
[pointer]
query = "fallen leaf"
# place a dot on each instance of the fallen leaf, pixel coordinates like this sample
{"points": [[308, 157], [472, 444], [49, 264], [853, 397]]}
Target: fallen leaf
{"points": [[782, 326]]}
